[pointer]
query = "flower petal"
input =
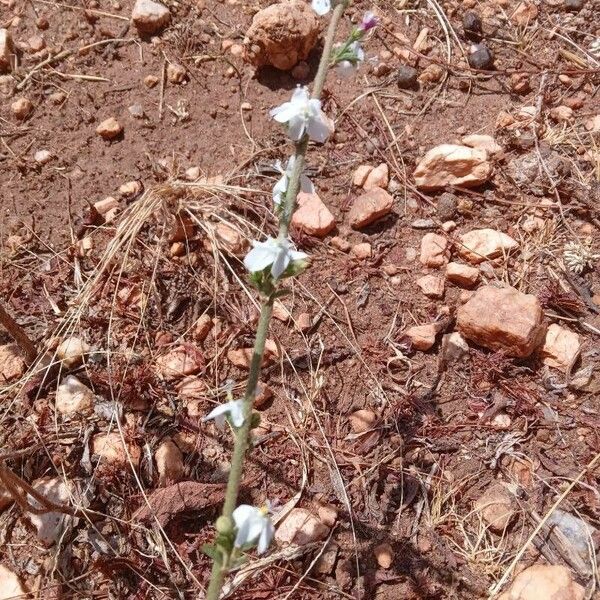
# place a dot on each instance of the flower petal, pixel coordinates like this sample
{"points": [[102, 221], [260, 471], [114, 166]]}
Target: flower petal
{"points": [[300, 97], [280, 264], [306, 185], [296, 127], [283, 113], [259, 258], [318, 129], [236, 412], [266, 536]]}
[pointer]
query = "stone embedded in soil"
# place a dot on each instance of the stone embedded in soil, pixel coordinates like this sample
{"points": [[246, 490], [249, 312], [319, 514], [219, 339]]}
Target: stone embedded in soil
{"points": [[384, 555], [361, 174], [431, 285], [525, 13], [593, 124], [362, 420], [472, 25], [361, 251], [454, 347], [169, 463], [149, 16], [281, 35], [6, 50], [377, 178], [481, 57], [42, 157], [192, 388], [230, 240], [281, 312], [328, 514], [180, 362], [21, 108], [482, 244], [496, 507], [130, 189], [11, 587], [72, 351], [561, 114], [483, 142], [176, 73], [544, 582], [446, 206], [12, 365], [242, 357], [462, 275], [370, 207], [50, 526], [300, 527], [109, 129], [109, 448], [431, 74], [422, 337], [451, 164], [202, 327], [263, 394], [502, 319], [73, 397], [561, 347], [312, 216], [304, 322], [406, 77], [434, 250]]}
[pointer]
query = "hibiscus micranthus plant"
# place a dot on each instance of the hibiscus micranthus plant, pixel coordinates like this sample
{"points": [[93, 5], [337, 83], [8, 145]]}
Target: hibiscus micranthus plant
{"points": [[271, 261]]}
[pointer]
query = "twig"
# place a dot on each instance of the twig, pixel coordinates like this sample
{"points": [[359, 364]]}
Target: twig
{"points": [[18, 334]]}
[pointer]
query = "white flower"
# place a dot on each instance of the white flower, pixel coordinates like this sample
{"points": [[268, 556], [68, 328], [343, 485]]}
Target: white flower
{"points": [[280, 188], [321, 7], [235, 410], [253, 527], [278, 254], [303, 114], [345, 68]]}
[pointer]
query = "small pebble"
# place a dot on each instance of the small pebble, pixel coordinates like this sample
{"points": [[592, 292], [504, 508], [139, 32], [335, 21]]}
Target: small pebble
{"points": [[472, 26], [42, 157], [406, 76], [21, 108], [481, 57]]}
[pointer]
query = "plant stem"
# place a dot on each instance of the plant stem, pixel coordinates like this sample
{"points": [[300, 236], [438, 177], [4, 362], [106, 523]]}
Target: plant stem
{"points": [[242, 434]]}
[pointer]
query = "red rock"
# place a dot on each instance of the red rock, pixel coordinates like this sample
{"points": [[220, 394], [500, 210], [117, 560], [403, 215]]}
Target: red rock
{"points": [[109, 129], [180, 362], [10, 585], [482, 244], [462, 275], [362, 420], [384, 555], [450, 164], [110, 449], [525, 13], [149, 16], [312, 216], [497, 507], [361, 174], [300, 527], [561, 347], [422, 337], [6, 50], [377, 178], [431, 285], [169, 463], [12, 365], [502, 319], [544, 582], [434, 250], [361, 251], [370, 207]]}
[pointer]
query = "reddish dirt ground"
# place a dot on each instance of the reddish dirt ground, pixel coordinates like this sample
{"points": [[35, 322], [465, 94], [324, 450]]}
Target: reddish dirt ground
{"points": [[434, 449]]}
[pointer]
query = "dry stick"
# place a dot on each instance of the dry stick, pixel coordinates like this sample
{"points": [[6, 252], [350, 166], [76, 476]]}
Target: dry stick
{"points": [[18, 334], [242, 433]]}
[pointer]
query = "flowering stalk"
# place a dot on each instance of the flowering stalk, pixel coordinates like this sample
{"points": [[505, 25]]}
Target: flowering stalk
{"points": [[225, 554]]}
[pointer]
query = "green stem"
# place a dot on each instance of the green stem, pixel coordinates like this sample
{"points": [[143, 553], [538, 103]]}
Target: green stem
{"points": [[242, 434]]}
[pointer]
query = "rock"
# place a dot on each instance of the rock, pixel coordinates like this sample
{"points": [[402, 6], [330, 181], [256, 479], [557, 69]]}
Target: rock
{"points": [[561, 114], [149, 16], [520, 83], [501, 421], [502, 319], [6, 50], [263, 394], [481, 57], [384, 555], [370, 207], [109, 129], [304, 322], [151, 80], [301, 71], [130, 189], [362, 420], [42, 157], [12, 365], [454, 347], [431, 285], [242, 356], [362, 251], [21, 108], [431, 74], [300, 527], [581, 535], [7, 86], [340, 243], [361, 174], [72, 351], [169, 463], [434, 250], [136, 111], [192, 388], [202, 327], [176, 73], [483, 142], [109, 448], [281, 35], [73, 397], [452, 165], [446, 206], [36, 43], [593, 124], [51, 526], [11, 587], [230, 240], [544, 582], [472, 26], [326, 562], [561, 347], [421, 337], [462, 275], [281, 312], [482, 244], [377, 178], [312, 216], [406, 77], [525, 13], [106, 205], [328, 514], [574, 5], [180, 362], [496, 507]]}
